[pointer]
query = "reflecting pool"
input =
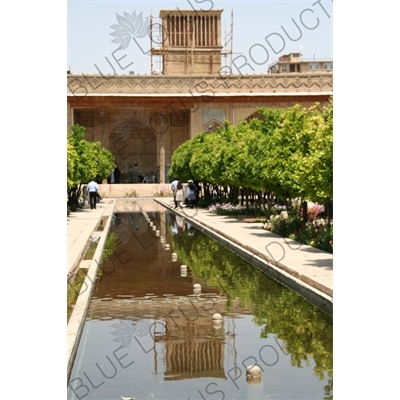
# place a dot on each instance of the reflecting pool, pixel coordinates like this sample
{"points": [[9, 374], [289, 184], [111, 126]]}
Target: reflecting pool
{"points": [[151, 331]]}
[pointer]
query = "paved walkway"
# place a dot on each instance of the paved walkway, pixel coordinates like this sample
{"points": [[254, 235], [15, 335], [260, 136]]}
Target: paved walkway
{"points": [[81, 225]]}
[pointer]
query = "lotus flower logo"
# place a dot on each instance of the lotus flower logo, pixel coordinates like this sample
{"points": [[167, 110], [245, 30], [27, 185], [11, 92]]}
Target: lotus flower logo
{"points": [[130, 27], [127, 120], [126, 331]]}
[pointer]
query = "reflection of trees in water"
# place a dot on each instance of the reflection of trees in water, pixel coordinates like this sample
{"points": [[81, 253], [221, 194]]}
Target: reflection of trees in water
{"points": [[328, 390], [110, 245], [306, 332]]}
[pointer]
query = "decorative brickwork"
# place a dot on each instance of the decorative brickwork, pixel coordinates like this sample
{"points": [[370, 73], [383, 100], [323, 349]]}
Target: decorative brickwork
{"points": [[139, 85]]}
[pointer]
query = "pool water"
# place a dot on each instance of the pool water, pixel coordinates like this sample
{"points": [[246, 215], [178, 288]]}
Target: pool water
{"points": [[150, 334]]}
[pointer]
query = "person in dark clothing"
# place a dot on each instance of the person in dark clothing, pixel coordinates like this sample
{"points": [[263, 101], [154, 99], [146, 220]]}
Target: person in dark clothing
{"points": [[192, 194], [198, 192], [117, 174]]}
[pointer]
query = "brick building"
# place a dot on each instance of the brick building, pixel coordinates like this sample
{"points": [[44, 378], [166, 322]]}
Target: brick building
{"points": [[142, 119], [295, 63]]}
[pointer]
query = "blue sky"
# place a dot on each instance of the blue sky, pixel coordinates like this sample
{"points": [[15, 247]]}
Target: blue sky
{"points": [[262, 32]]}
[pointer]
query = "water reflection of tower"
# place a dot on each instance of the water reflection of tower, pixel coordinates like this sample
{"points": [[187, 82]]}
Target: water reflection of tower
{"points": [[191, 346]]}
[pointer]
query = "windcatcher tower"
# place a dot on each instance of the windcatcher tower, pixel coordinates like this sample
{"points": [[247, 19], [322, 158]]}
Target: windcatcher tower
{"points": [[191, 42]]}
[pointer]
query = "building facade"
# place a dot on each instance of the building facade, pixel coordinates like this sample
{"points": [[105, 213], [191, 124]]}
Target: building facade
{"points": [[142, 119], [295, 63]]}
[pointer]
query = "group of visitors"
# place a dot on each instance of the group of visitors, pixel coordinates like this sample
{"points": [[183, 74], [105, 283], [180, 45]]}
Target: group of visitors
{"points": [[192, 193], [133, 174], [121, 176]]}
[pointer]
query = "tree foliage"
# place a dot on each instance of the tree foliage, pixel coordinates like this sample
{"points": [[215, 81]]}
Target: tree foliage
{"points": [[287, 151], [315, 168], [85, 161], [72, 161]]}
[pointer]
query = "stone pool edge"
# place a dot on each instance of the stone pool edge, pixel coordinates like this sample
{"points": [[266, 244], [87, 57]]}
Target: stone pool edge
{"points": [[77, 320]]}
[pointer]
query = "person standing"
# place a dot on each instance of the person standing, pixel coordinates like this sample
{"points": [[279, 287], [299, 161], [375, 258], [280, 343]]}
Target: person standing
{"points": [[117, 174], [198, 191], [191, 194], [93, 190], [130, 175], [123, 174], [136, 178], [179, 195], [158, 175], [173, 188]]}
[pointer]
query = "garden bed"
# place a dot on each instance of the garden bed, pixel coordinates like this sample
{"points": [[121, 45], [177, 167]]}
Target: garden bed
{"points": [[316, 232]]}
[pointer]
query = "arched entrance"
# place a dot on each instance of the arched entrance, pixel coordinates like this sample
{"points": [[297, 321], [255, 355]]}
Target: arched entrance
{"points": [[132, 141], [212, 126]]}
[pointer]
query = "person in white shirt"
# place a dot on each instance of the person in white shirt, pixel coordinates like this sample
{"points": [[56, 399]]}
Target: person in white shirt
{"points": [[93, 190], [174, 183]]}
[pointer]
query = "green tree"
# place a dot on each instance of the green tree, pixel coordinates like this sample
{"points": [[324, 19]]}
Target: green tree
{"points": [[206, 163], [86, 161], [284, 152], [180, 162], [299, 153], [315, 168], [281, 142], [72, 161]]}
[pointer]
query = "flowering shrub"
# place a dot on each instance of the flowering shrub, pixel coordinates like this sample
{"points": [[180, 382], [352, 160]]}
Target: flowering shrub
{"points": [[284, 227], [317, 234], [313, 210], [228, 209]]}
